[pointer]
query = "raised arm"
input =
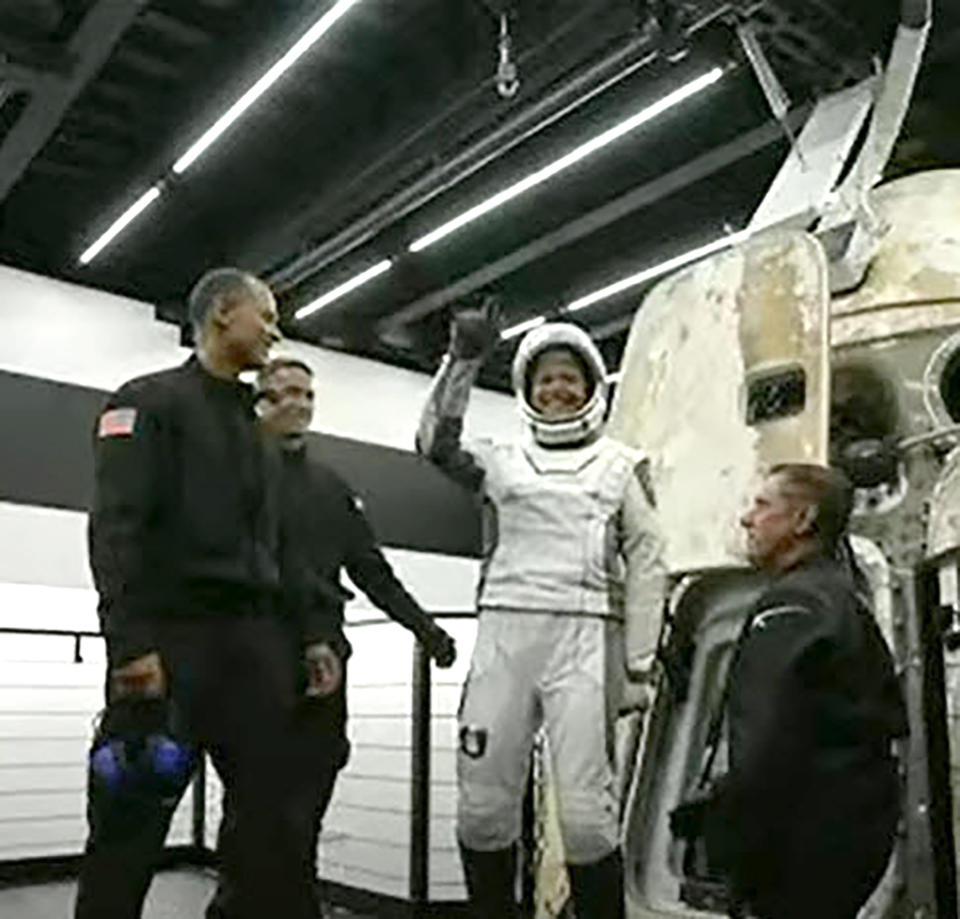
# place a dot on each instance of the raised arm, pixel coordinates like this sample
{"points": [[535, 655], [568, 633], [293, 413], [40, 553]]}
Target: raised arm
{"points": [[474, 334]]}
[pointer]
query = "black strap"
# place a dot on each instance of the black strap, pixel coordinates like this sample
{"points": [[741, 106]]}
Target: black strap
{"points": [[712, 746]]}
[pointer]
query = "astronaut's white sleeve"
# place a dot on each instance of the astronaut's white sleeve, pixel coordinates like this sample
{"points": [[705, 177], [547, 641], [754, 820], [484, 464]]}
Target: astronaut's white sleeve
{"points": [[441, 424], [646, 574]]}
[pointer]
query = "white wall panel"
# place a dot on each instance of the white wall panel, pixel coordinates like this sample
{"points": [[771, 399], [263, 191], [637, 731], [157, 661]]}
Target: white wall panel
{"points": [[37, 606], [79, 335], [43, 545], [443, 583]]}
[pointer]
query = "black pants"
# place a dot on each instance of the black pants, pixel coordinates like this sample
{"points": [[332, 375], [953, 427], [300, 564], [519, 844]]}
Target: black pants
{"points": [[319, 751], [231, 688], [831, 852]]}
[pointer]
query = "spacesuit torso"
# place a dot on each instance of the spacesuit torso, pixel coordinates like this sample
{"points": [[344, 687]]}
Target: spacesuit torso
{"points": [[570, 590], [570, 524], [555, 527]]}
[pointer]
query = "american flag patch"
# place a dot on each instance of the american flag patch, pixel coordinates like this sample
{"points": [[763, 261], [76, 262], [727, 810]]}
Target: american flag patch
{"points": [[118, 422]]}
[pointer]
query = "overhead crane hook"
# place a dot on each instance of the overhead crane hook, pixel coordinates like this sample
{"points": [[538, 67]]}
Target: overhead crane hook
{"points": [[508, 78]]}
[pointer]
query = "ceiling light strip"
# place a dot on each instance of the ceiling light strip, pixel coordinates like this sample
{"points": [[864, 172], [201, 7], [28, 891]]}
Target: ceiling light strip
{"points": [[648, 274], [299, 48], [123, 221], [521, 327], [223, 123], [345, 288], [569, 159]]}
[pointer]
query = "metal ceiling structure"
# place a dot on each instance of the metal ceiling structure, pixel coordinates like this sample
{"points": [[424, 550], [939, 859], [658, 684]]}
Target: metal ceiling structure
{"points": [[396, 122]]}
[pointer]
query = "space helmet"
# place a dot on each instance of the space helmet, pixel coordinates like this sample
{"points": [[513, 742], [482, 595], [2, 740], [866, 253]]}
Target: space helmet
{"points": [[585, 423]]}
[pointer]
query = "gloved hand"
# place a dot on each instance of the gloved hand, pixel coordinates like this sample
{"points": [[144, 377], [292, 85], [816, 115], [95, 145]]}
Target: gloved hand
{"points": [[439, 645], [640, 685], [475, 329]]}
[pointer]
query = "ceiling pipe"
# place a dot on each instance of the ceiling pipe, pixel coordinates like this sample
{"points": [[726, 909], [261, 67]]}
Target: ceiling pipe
{"points": [[616, 67], [629, 58]]}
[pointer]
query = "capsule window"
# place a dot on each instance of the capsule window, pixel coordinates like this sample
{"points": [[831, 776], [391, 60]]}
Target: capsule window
{"points": [[776, 395]]}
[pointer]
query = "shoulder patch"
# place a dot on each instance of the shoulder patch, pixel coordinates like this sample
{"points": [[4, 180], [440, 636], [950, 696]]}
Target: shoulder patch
{"points": [[642, 472], [117, 422]]}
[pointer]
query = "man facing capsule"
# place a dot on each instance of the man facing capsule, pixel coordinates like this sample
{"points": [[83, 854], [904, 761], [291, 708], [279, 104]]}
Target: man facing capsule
{"points": [[570, 593]]}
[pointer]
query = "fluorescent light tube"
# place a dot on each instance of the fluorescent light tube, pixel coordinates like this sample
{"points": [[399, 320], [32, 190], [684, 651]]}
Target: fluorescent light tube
{"points": [[574, 156], [117, 227], [521, 327], [299, 48], [649, 273], [344, 288]]}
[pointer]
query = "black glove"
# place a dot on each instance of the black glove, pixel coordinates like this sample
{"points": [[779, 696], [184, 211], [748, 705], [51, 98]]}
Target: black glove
{"points": [[475, 329], [439, 645]]}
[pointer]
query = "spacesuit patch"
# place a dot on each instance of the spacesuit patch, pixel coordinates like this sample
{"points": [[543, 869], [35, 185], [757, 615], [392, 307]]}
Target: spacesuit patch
{"points": [[473, 741]]}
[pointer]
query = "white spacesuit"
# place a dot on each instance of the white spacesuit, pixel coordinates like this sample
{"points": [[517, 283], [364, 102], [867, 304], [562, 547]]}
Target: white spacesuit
{"points": [[570, 600]]}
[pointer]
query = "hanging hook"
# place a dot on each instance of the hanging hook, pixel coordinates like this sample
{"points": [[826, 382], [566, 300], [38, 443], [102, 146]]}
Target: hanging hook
{"points": [[508, 79]]}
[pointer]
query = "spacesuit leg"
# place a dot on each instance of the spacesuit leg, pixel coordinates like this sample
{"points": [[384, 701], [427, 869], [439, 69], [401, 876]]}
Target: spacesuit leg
{"points": [[580, 701], [497, 720]]}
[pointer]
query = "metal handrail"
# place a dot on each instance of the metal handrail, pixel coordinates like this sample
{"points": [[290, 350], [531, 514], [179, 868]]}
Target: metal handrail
{"points": [[422, 713], [76, 634]]}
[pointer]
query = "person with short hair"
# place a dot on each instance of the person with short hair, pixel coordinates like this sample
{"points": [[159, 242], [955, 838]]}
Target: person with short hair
{"points": [[806, 816], [184, 537], [325, 532], [569, 604]]}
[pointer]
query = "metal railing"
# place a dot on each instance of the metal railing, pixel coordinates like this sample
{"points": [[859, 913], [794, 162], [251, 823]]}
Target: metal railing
{"points": [[421, 714]]}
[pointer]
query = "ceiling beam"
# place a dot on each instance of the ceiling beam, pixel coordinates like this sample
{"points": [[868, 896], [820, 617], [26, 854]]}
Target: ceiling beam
{"points": [[630, 57], [90, 47], [175, 30], [41, 56], [642, 196], [17, 76]]}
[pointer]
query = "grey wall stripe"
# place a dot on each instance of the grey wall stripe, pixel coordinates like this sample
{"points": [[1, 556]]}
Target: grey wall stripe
{"points": [[46, 459]]}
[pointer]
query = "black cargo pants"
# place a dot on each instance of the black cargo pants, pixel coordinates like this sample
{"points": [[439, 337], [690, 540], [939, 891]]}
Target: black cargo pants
{"points": [[231, 686], [319, 749]]}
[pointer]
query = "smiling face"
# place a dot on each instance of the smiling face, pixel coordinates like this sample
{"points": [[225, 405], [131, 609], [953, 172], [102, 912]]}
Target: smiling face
{"points": [[286, 406], [247, 324], [558, 384]]}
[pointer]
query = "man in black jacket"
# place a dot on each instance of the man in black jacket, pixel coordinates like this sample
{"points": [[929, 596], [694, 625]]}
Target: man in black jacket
{"points": [[185, 549], [324, 533], [810, 805]]}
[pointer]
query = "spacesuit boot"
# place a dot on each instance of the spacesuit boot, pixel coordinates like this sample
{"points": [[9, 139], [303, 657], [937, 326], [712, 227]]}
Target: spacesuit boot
{"points": [[598, 888], [491, 882]]}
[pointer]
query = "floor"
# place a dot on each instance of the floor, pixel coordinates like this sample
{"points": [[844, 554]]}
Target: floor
{"points": [[174, 895]]}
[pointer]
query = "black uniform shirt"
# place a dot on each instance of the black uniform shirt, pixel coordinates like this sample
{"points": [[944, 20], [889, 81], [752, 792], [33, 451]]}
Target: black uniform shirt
{"points": [[185, 516], [814, 703], [325, 531]]}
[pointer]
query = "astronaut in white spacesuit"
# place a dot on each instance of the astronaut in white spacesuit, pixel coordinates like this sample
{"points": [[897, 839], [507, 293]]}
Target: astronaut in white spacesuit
{"points": [[569, 600]]}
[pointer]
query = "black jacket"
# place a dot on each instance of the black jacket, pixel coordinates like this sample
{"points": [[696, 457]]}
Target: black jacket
{"points": [[324, 532], [185, 516], [814, 703]]}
